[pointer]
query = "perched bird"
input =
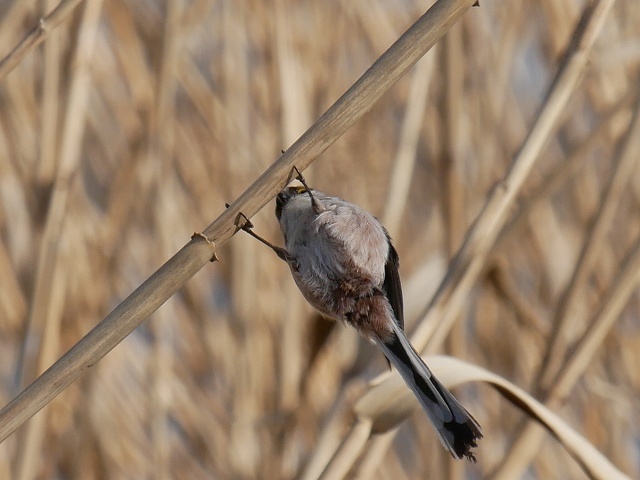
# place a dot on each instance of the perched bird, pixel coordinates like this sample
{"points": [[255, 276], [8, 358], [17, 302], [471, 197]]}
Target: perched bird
{"points": [[343, 262]]}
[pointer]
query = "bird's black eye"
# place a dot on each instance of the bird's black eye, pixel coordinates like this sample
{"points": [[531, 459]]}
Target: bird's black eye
{"points": [[282, 199], [284, 196], [279, 204]]}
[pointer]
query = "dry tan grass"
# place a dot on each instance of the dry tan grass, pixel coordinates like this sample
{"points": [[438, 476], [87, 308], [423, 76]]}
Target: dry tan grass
{"points": [[131, 125]]}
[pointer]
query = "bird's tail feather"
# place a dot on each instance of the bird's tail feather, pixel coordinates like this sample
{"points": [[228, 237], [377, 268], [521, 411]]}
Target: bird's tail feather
{"points": [[458, 430]]}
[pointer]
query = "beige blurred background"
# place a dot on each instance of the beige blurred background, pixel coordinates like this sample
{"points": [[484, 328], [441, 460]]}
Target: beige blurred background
{"points": [[135, 121]]}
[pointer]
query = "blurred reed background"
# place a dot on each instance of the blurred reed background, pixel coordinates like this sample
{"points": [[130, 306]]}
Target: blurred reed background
{"points": [[135, 121]]}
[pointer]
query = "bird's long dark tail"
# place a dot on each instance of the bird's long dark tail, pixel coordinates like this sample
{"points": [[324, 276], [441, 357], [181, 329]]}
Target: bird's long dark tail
{"points": [[457, 429]]}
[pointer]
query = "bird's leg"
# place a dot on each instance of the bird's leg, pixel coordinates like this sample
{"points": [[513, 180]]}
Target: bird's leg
{"points": [[247, 226], [317, 206]]}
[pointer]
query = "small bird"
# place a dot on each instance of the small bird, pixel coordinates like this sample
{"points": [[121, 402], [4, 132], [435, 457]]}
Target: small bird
{"points": [[343, 262]]}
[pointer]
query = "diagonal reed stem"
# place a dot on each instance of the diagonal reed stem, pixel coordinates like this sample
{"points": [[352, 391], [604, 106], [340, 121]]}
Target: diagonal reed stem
{"points": [[359, 99]]}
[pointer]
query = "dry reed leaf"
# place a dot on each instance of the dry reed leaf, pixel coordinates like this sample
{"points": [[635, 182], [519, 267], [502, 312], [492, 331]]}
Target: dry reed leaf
{"points": [[387, 404]]}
